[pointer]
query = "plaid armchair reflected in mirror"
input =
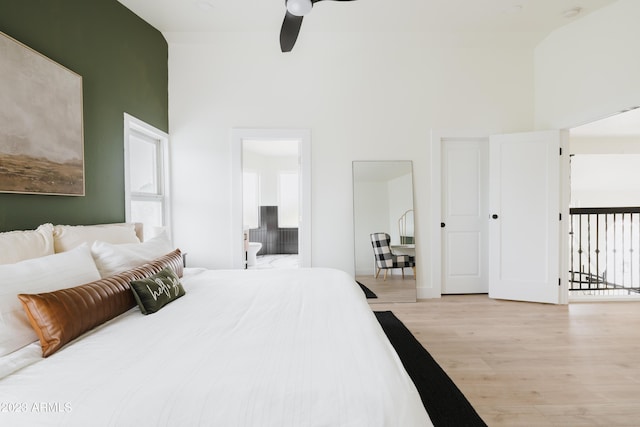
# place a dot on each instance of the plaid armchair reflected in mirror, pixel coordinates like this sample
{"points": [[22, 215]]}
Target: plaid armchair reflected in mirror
{"points": [[385, 259]]}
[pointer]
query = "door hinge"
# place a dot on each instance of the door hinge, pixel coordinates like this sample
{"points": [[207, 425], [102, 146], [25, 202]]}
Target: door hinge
{"points": [[559, 281], [560, 217], [561, 151]]}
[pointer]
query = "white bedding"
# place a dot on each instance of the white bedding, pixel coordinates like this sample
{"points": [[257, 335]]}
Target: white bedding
{"points": [[242, 348]]}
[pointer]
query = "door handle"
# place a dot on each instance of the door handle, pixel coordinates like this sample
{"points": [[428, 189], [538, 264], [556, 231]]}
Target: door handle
{"points": [[442, 225], [494, 216]]}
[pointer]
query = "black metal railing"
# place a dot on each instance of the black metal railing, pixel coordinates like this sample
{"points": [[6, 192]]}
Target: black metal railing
{"points": [[605, 249]]}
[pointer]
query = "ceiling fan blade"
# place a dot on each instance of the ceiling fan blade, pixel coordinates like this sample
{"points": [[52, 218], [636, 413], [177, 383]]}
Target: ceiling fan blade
{"points": [[289, 32], [316, 1]]}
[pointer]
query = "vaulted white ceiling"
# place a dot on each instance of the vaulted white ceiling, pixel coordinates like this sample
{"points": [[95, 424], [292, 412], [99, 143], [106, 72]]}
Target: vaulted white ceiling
{"points": [[528, 20], [536, 17]]}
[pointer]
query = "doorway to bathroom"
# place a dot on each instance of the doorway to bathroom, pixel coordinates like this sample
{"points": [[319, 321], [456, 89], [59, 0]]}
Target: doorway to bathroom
{"points": [[271, 193], [270, 202]]}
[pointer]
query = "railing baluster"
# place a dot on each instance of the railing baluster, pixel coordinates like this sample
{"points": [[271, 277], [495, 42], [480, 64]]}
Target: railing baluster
{"points": [[589, 251], [606, 248], [571, 249], [615, 249], [580, 250], [624, 253], [598, 272], [615, 270], [631, 250]]}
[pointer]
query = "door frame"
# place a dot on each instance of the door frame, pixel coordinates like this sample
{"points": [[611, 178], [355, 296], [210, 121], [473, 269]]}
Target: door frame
{"points": [[303, 136], [435, 267]]}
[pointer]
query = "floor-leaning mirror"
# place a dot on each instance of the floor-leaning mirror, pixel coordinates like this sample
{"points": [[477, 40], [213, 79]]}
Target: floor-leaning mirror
{"points": [[383, 225]]}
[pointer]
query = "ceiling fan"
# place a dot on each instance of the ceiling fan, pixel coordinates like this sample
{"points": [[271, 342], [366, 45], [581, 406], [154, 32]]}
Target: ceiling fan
{"points": [[296, 10]]}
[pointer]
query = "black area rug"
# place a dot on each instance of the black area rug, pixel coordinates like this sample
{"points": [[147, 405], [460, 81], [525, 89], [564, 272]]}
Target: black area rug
{"points": [[367, 292], [442, 399]]}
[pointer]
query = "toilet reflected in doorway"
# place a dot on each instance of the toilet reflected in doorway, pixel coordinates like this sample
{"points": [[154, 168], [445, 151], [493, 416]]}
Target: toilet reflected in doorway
{"points": [[252, 252]]}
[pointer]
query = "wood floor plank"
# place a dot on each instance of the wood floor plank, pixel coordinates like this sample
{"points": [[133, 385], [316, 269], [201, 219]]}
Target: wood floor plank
{"points": [[534, 364]]}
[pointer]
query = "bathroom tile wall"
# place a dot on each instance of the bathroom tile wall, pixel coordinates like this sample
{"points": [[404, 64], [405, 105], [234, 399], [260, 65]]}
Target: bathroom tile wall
{"points": [[275, 240]]}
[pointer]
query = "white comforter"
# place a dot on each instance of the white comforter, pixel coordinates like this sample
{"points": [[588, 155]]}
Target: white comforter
{"points": [[241, 348]]}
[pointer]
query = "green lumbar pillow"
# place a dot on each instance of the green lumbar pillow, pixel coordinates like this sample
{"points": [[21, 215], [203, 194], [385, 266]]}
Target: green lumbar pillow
{"points": [[156, 291]]}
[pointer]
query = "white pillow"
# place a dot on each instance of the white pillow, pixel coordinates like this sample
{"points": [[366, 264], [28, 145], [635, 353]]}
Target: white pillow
{"points": [[113, 259], [37, 275], [66, 237], [16, 246]]}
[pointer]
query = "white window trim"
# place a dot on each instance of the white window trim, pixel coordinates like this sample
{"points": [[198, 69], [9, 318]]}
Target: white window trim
{"points": [[133, 126]]}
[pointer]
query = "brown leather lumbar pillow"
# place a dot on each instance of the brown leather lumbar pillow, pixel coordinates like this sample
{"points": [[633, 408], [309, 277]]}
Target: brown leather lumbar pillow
{"points": [[59, 317]]}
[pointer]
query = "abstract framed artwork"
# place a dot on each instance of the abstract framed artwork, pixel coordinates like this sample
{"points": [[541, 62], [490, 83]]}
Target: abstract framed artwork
{"points": [[41, 124]]}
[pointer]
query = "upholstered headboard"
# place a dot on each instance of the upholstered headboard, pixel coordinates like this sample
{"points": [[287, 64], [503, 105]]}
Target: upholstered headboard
{"points": [[48, 239]]}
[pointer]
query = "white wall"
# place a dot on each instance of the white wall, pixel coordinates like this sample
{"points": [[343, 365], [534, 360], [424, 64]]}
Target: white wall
{"points": [[605, 171], [372, 96], [590, 68], [605, 144]]}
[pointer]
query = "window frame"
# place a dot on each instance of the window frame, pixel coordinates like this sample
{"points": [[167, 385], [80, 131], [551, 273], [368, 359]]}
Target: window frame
{"points": [[136, 128]]}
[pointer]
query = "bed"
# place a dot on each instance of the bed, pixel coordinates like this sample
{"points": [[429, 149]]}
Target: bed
{"points": [[238, 348]]}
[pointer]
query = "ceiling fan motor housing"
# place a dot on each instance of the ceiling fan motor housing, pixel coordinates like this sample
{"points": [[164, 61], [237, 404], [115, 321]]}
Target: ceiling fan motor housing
{"points": [[299, 7]]}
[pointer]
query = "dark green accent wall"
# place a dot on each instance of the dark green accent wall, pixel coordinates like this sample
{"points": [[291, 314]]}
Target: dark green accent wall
{"points": [[123, 63]]}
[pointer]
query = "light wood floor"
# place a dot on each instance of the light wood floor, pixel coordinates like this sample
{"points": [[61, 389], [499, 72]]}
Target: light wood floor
{"points": [[526, 364], [394, 289]]}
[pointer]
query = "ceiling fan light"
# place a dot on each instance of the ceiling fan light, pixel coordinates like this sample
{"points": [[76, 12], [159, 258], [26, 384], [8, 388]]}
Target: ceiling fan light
{"points": [[299, 7]]}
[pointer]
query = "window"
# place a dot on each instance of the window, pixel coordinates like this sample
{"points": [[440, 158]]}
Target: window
{"points": [[146, 176], [288, 189]]}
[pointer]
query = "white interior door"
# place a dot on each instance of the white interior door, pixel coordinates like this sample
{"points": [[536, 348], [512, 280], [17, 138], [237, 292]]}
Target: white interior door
{"points": [[524, 203], [465, 216]]}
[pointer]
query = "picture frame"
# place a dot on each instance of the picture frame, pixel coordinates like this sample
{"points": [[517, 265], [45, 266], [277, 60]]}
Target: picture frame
{"points": [[41, 124]]}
